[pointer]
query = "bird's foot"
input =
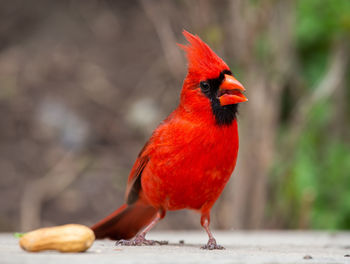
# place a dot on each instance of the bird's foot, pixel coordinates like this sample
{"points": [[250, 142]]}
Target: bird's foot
{"points": [[139, 240], [212, 245]]}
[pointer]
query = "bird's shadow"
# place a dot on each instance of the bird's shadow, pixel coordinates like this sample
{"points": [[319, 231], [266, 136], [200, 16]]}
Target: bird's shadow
{"points": [[165, 243]]}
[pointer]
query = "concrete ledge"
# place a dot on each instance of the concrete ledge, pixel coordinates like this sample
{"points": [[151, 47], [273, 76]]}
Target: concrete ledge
{"points": [[241, 247]]}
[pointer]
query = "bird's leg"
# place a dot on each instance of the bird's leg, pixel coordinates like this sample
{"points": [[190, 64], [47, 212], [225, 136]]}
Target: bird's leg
{"points": [[140, 238], [205, 221]]}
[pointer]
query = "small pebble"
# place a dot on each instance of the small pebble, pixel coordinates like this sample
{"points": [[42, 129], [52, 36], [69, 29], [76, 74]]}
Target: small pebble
{"points": [[182, 242], [162, 242], [307, 257], [347, 255]]}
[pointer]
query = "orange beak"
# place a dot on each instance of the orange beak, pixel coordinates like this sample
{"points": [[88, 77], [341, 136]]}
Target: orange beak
{"points": [[231, 91]]}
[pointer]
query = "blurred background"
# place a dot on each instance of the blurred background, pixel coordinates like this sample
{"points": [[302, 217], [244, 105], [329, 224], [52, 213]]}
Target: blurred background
{"points": [[84, 83]]}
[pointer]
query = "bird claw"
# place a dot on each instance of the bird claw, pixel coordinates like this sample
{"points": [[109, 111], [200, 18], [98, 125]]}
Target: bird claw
{"points": [[211, 245], [140, 241]]}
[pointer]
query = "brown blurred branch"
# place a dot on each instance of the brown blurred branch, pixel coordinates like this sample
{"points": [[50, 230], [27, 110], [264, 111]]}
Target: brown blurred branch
{"points": [[161, 23], [63, 174]]}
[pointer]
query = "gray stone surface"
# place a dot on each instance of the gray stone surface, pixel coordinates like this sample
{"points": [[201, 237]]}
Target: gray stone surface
{"points": [[241, 247]]}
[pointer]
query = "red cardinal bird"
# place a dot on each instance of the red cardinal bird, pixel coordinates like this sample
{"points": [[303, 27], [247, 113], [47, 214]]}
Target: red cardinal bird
{"points": [[190, 156]]}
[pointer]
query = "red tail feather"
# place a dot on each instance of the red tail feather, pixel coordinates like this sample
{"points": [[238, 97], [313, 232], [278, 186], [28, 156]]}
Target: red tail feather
{"points": [[125, 222]]}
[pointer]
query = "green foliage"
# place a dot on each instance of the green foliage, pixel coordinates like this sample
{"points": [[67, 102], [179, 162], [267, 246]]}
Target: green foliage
{"points": [[318, 24], [322, 166], [317, 181], [322, 20], [18, 235], [315, 185]]}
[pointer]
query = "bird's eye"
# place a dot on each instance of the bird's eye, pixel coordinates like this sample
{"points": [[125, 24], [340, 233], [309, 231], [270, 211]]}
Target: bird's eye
{"points": [[204, 86]]}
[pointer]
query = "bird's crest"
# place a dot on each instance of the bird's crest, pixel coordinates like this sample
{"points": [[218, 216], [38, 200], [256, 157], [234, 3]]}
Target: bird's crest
{"points": [[201, 59]]}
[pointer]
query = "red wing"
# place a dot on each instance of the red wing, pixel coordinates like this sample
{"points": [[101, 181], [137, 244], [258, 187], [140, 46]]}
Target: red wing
{"points": [[134, 181]]}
